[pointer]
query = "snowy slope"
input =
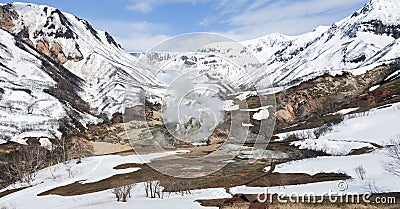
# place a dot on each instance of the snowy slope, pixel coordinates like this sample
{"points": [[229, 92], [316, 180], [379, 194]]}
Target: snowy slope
{"points": [[26, 110], [363, 40], [100, 167], [376, 179], [94, 169], [44, 51], [93, 55], [356, 44], [110, 78], [378, 126], [345, 46], [373, 163]]}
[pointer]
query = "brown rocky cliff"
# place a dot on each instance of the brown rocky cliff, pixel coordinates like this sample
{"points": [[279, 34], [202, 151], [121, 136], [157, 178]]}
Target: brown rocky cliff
{"points": [[326, 94], [6, 17], [54, 50]]}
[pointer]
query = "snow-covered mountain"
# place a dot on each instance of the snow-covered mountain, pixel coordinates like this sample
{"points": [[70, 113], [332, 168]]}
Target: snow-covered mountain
{"points": [[358, 43], [363, 39], [54, 66]]}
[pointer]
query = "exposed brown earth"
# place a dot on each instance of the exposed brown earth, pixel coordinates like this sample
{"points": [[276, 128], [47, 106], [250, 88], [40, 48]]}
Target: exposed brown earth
{"points": [[105, 148], [234, 174], [10, 191], [6, 17], [309, 103], [52, 50], [55, 52]]}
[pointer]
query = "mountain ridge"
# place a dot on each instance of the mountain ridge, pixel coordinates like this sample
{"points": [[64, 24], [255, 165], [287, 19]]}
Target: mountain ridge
{"points": [[341, 39], [97, 77], [105, 78]]}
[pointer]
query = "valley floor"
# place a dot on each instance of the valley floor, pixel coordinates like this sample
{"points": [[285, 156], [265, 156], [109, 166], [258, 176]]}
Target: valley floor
{"points": [[95, 169], [90, 183]]}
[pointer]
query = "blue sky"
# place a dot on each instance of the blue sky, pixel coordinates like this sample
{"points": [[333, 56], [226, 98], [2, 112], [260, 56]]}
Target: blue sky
{"points": [[140, 24]]}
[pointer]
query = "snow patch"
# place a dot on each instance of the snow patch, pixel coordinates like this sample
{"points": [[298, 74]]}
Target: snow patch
{"points": [[374, 88]]}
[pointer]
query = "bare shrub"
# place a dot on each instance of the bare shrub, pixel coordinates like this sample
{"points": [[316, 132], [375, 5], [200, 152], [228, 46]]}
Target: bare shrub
{"points": [[23, 164], [371, 187], [123, 193], [79, 149], [60, 150], [315, 133], [357, 115], [326, 128], [300, 135], [180, 187], [361, 172], [393, 164], [153, 189], [69, 170], [8, 207], [30, 108]]}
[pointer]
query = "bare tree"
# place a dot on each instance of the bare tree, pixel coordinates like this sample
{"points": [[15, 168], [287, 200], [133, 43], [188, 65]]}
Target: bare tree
{"points": [[393, 165], [9, 106], [153, 189], [8, 207], [123, 193], [361, 172], [23, 164], [79, 149], [59, 149], [62, 145], [371, 187], [30, 108]]}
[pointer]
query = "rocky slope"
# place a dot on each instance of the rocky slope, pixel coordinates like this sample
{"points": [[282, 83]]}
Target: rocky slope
{"points": [[322, 71], [358, 43], [56, 67], [312, 103], [362, 41]]}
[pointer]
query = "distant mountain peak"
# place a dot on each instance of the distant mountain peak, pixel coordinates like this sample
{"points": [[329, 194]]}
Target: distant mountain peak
{"points": [[386, 11]]}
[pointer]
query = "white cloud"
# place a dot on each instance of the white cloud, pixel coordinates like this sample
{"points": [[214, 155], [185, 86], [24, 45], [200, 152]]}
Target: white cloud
{"points": [[146, 6], [282, 11], [258, 3], [241, 19], [287, 27], [262, 17], [206, 21], [231, 6], [143, 7]]}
